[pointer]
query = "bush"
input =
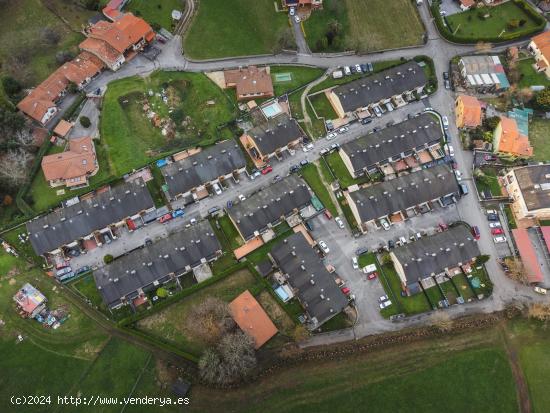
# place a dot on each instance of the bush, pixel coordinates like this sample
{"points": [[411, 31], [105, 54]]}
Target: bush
{"points": [[85, 121], [162, 293], [107, 259]]}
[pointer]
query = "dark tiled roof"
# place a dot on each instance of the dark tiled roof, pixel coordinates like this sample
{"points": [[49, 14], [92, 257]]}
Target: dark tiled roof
{"points": [[317, 289], [205, 166], [534, 182], [398, 194], [269, 205], [432, 255], [276, 133], [414, 133], [65, 225], [179, 253], [383, 85]]}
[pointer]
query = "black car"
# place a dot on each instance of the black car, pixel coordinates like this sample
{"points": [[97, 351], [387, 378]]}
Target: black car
{"points": [[446, 75], [391, 244], [492, 217], [364, 68], [294, 168], [362, 250], [366, 121], [309, 225]]}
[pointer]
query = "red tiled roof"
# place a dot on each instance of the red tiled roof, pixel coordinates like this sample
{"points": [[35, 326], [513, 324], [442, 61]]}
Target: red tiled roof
{"points": [[252, 319], [528, 255], [542, 41], [511, 140], [78, 161], [100, 49]]}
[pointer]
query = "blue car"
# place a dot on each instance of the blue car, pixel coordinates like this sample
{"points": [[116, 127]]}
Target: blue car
{"points": [[178, 213], [229, 204]]}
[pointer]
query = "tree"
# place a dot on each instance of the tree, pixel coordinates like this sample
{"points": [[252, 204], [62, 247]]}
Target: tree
{"points": [[10, 123], [386, 260], [50, 36], [11, 86], [63, 56], [516, 270], [72, 88], [85, 121], [232, 360], [539, 311], [91, 4], [482, 259], [442, 321], [162, 293], [542, 99], [334, 27], [209, 320], [491, 123], [107, 259], [512, 24], [13, 167]]}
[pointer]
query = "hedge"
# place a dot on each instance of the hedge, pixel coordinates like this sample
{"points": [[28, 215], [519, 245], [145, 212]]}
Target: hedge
{"points": [[447, 34]]}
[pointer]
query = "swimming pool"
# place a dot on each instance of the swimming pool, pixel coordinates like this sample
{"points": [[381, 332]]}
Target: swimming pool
{"points": [[283, 77]]}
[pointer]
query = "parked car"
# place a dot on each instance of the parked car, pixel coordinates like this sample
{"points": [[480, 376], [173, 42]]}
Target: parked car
{"points": [[355, 263], [241, 197], [343, 129], [331, 136], [495, 224], [292, 11], [385, 224], [492, 211], [82, 270], [346, 290], [464, 189], [324, 247], [383, 298], [178, 213], [309, 225], [447, 84], [307, 147], [277, 178], [364, 68], [217, 189], [362, 250], [297, 18], [371, 67], [391, 244], [500, 239], [540, 290], [475, 232], [458, 175], [489, 158], [324, 151], [165, 218], [304, 162], [377, 111], [372, 275], [358, 69], [492, 217], [339, 222], [385, 304], [334, 146], [267, 170], [446, 75], [497, 231], [366, 121], [449, 150], [63, 271], [347, 70], [328, 214], [443, 226]]}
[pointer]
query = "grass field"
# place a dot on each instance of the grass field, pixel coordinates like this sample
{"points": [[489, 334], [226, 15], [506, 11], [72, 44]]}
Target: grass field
{"points": [[130, 139], [469, 25], [339, 170], [464, 373], [529, 76], [156, 11], [322, 107], [310, 173], [234, 28], [230, 232], [169, 323], [489, 183], [300, 76], [539, 136], [366, 25]]}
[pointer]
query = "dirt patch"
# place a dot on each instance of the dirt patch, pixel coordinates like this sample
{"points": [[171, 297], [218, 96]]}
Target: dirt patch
{"points": [[12, 281], [275, 312], [521, 384]]}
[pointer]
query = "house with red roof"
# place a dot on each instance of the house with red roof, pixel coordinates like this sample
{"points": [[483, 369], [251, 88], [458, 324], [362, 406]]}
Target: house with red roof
{"points": [[29, 300]]}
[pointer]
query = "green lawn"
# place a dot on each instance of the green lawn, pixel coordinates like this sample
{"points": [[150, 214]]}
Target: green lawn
{"points": [[463, 287], [230, 232], [224, 28], [539, 136], [365, 25], [129, 137], [468, 24], [322, 106], [169, 323], [339, 169], [346, 210], [300, 76], [310, 173], [42, 197], [489, 183], [510, 216], [486, 287], [156, 11], [529, 76]]}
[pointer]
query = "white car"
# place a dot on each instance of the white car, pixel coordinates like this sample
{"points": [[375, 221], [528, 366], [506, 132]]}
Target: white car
{"points": [[449, 150], [383, 298], [324, 247], [385, 224], [445, 122], [343, 129], [385, 304], [491, 211], [217, 189], [242, 197], [540, 290], [347, 70], [339, 222], [355, 263], [458, 175], [331, 136], [494, 224], [358, 69], [500, 239], [297, 18], [428, 109], [308, 147], [292, 11]]}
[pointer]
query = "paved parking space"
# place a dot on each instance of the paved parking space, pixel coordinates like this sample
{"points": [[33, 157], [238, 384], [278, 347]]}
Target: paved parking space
{"points": [[450, 7], [541, 250]]}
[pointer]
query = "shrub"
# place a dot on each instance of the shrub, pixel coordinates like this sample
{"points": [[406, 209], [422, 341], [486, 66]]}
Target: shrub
{"points": [[85, 121], [107, 259], [162, 293]]}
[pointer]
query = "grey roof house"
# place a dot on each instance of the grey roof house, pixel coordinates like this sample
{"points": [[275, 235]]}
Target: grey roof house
{"points": [[403, 195], [391, 144], [366, 91], [65, 225], [216, 162], [431, 256], [269, 205], [147, 268], [315, 287]]}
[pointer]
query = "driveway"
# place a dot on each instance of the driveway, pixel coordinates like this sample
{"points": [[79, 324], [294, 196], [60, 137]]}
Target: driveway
{"points": [[91, 111]]}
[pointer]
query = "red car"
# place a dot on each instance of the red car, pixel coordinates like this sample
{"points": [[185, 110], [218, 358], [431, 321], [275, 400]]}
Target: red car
{"points": [[267, 170], [497, 231], [346, 290], [328, 214], [475, 232], [372, 275], [165, 218], [443, 227]]}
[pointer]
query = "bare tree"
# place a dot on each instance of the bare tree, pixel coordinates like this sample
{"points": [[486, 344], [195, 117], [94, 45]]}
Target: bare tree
{"points": [[539, 311], [210, 320], [516, 270], [442, 321], [13, 166]]}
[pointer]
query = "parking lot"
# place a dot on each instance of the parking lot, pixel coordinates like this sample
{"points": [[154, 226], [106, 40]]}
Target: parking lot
{"points": [[543, 258]]}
